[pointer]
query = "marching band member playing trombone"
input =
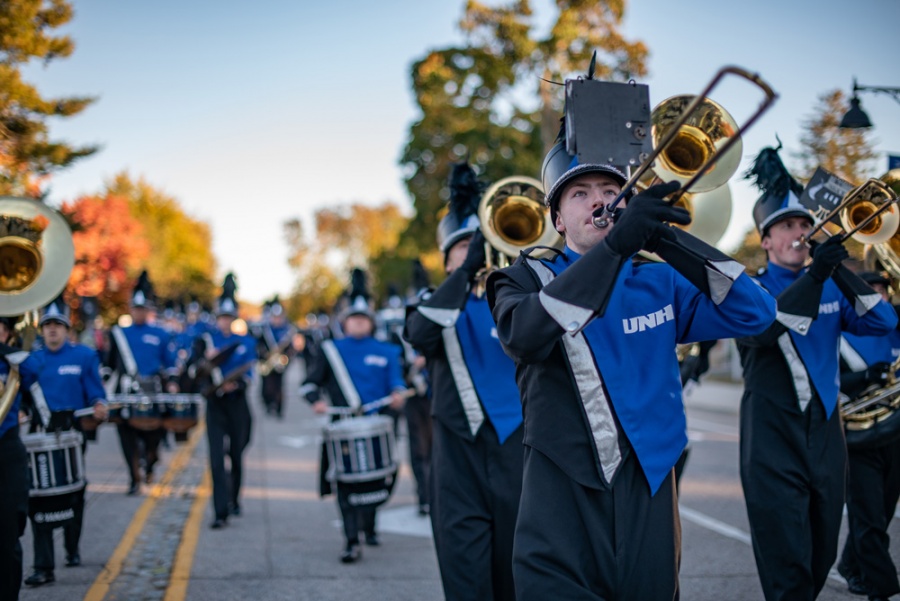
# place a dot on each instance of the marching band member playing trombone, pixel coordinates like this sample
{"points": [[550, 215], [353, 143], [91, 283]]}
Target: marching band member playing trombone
{"points": [[793, 457], [355, 371], [593, 334]]}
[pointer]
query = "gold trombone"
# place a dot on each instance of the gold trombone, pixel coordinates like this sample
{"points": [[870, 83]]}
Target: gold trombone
{"points": [[868, 213], [696, 142], [888, 251]]}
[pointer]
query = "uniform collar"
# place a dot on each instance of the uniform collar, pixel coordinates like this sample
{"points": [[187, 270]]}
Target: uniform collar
{"points": [[782, 273]]}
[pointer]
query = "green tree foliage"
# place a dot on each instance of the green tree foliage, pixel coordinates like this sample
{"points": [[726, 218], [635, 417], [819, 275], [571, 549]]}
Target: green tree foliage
{"points": [[180, 262], [848, 153], [485, 101], [346, 236], [27, 154]]}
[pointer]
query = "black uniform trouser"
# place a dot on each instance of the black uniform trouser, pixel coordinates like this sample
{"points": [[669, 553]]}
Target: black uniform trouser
{"points": [[13, 511], [419, 426], [44, 556], [474, 503], [355, 518], [793, 468], [873, 488], [273, 392], [136, 444], [580, 543], [227, 417]]}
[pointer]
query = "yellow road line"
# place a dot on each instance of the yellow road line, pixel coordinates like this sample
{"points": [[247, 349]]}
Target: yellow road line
{"points": [[113, 567], [184, 556]]}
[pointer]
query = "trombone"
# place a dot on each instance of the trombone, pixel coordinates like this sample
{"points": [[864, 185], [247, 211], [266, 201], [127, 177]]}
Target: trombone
{"points": [[691, 135], [868, 213]]}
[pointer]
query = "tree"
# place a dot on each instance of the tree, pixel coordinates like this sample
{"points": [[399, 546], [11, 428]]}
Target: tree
{"points": [[180, 262], [847, 153], [346, 236], [109, 249], [485, 101], [27, 155]]}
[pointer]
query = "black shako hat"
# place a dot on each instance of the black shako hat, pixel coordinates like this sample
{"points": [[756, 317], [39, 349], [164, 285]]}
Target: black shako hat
{"points": [[227, 304], [358, 297], [142, 295], [462, 219], [876, 277], [56, 310], [780, 197]]}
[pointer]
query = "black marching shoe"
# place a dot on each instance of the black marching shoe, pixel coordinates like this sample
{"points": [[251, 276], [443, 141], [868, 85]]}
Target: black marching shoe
{"points": [[424, 509], [218, 523], [351, 553], [134, 489], [40, 577], [236, 509], [372, 540], [73, 560], [855, 582]]}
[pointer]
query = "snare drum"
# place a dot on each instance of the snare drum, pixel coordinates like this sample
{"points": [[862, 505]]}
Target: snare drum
{"points": [[141, 411], [361, 449], [182, 411], [55, 463]]}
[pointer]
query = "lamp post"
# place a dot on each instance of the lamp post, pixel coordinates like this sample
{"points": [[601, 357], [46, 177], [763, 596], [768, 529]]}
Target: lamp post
{"points": [[856, 118]]}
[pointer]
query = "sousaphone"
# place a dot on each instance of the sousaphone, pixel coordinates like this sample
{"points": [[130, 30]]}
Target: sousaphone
{"points": [[36, 257]]}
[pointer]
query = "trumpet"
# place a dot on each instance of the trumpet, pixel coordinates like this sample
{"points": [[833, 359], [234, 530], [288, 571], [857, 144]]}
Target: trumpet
{"points": [[696, 141], [868, 213]]}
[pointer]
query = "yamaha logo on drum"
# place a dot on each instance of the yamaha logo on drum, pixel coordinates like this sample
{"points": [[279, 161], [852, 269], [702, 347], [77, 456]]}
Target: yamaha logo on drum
{"points": [[43, 469], [51, 517]]}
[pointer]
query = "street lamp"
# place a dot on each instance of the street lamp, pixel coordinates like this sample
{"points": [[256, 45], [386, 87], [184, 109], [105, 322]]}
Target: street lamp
{"points": [[856, 118]]}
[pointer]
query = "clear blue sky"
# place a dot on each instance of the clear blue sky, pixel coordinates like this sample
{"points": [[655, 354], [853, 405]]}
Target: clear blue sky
{"points": [[253, 113]]}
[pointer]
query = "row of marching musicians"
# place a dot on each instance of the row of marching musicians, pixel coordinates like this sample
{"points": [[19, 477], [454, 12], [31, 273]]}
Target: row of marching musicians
{"points": [[148, 394], [579, 342]]}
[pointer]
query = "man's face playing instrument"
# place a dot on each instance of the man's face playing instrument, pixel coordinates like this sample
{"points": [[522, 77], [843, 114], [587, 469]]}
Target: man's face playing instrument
{"points": [[779, 242], [577, 203]]}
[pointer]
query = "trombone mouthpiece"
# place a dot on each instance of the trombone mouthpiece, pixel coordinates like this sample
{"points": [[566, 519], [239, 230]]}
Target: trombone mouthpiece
{"points": [[602, 217]]}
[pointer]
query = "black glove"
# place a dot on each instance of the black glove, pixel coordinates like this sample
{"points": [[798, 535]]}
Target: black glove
{"points": [[642, 222], [475, 260], [826, 257], [878, 373]]}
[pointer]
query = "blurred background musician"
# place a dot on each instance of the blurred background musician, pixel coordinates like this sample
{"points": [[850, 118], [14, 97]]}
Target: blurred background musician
{"points": [[274, 346], [61, 377], [477, 447], [354, 371], [13, 474], [141, 361], [228, 418]]}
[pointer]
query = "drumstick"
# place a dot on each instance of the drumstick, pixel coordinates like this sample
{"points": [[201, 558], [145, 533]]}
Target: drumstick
{"points": [[376, 404]]}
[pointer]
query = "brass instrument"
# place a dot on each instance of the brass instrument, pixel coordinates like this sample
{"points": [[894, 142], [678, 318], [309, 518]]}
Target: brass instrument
{"points": [[275, 360], [888, 251], [513, 217], [695, 141], [868, 214], [36, 258], [875, 406]]}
